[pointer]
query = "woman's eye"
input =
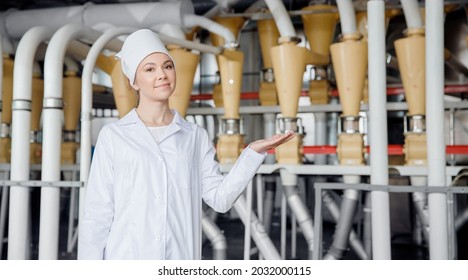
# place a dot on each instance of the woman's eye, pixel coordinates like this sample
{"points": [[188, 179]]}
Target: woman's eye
{"points": [[169, 66], [150, 69]]}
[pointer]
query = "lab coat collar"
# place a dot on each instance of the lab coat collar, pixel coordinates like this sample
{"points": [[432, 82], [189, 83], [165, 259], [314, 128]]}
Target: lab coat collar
{"points": [[132, 118]]}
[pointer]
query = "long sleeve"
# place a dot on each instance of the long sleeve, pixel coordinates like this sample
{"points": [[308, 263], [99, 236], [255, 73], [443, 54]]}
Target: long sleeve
{"points": [[98, 212], [221, 192]]}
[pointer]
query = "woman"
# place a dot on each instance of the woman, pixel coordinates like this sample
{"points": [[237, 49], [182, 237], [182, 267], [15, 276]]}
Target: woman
{"points": [[151, 169]]}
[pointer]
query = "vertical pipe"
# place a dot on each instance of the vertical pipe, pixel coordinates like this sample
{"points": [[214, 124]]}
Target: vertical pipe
{"points": [[284, 208], [87, 103], [52, 139], [261, 239], [380, 204], [438, 238], [249, 222], [3, 211], [18, 246]]}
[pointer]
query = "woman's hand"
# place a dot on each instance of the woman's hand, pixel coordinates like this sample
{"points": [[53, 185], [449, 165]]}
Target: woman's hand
{"points": [[263, 145]]}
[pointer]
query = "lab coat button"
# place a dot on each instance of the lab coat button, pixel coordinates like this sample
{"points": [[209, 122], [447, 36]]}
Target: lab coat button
{"points": [[158, 237], [159, 196]]}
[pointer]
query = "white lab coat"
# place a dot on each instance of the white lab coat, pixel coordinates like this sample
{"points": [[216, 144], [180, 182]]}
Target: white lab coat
{"points": [[144, 199]]}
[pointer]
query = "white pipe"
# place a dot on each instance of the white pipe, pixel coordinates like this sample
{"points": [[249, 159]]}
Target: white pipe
{"points": [[334, 210], [216, 237], [190, 45], [87, 104], [138, 15], [21, 126], [438, 242], [170, 30], [52, 136], [412, 13], [380, 201], [320, 136], [212, 26], [347, 16], [3, 212], [261, 239], [304, 219], [282, 19], [343, 226]]}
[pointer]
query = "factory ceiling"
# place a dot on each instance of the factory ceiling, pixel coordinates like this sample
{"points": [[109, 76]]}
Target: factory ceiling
{"points": [[200, 6]]}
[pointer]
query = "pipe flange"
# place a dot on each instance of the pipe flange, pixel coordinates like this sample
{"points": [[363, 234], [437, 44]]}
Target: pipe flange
{"points": [[53, 103], [21, 104], [289, 39], [414, 124], [231, 46], [349, 124], [34, 136], [268, 75], [231, 126], [4, 130], [69, 136], [414, 32], [350, 37], [289, 124], [318, 73]]}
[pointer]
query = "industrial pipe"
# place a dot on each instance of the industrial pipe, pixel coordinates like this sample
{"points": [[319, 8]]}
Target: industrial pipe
{"points": [[260, 237], [216, 237], [380, 201], [139, 15], [438, 242], [18, 246], [52, 135]]}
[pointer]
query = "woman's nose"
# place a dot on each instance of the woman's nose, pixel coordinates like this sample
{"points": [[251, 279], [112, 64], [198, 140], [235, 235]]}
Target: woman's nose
{"points": [[161, 75]]}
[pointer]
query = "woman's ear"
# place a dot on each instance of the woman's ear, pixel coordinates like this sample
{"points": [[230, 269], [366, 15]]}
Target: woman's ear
{"points": [[135, 87]]}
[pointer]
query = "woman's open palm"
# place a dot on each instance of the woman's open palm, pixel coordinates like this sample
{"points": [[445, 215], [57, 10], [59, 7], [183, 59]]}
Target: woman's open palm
{"points": [[263, 145]]}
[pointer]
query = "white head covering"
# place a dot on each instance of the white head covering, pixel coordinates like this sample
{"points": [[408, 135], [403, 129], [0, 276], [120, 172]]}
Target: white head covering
{"points": [[136, 47]]}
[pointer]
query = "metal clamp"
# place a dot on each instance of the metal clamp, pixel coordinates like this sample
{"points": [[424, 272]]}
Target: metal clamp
{"points": [[414, 124], [231, 126], [267, 75], [69, 136], [4, 130], [292, 124], [21, 104], [283, 40], [318, 73], [349, 124], [35, 136], [53, 103]]}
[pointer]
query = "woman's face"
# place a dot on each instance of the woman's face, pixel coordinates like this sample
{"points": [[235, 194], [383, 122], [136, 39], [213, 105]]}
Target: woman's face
{"points": [[155, 78]]}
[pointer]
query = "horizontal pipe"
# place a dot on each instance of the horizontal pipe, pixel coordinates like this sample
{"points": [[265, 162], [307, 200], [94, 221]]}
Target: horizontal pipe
{"points": [[392, 150], [448, 89]]}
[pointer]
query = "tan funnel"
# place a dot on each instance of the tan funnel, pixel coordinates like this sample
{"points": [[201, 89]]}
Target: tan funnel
{"points": [[71, 111], [36, 110], [231, 62], [350, 65], [124, 95], [411, 53], [319, 28], [7, 96], [289, 65], [7, 91], [186, 64], [268, 34], [71, 100], [234, 24]]}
